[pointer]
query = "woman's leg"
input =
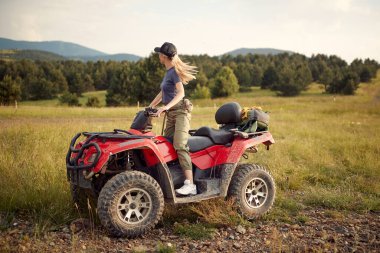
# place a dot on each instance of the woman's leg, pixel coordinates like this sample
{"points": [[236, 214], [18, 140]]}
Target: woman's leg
{"points": [[169, 125], [180, 138], [177, 126], [189, 175]]}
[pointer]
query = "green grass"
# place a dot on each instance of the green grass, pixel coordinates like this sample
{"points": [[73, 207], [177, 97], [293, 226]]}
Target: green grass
{"points": [[162, 248], [326, 152], [101, 95], [196, 231]]}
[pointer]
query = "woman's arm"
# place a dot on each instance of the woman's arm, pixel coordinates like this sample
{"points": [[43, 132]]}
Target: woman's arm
{"points": [[156, 100], [180, 93]]}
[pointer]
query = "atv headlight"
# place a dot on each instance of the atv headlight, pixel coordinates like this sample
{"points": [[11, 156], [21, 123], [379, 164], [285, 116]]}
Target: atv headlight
{"points": [[92, 158]]}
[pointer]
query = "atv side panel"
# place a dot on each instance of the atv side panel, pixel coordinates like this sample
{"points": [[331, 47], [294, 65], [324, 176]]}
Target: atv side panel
{"points": [[210, 157]]}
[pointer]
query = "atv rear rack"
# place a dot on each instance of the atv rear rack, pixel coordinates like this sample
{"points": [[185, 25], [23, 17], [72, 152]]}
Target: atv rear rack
{"points": [[246, 135]]}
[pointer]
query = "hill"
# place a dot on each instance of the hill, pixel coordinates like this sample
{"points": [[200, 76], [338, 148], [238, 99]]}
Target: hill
{"points": [[66, 49], [111, 57], [9, 55], [266, 51]]}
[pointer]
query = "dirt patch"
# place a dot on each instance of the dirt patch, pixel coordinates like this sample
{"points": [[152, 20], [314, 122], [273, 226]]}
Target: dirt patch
{"points": [[319, 230]]}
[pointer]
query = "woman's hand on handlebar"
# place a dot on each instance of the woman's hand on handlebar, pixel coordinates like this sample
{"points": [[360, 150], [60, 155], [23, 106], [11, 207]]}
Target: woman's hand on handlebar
{"points": [[150, 112], [160, 110]]}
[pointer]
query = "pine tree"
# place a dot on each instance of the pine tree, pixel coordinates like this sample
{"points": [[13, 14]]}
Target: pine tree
{"points": [[10, 90], [225, 83]]}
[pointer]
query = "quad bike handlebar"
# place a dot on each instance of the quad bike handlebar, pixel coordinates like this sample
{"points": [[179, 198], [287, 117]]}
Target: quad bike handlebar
{"points": [[150, 112]]}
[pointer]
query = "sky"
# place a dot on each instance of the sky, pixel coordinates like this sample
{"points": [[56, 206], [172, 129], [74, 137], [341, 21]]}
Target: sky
{"points": [[347, 28]]}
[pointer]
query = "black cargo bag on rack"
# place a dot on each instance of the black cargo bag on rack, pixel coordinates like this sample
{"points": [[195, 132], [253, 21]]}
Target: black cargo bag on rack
{"points": [[254, 120]]}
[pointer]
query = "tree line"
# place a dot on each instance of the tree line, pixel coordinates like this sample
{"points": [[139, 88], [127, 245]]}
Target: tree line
{"points": [[131, 82]]}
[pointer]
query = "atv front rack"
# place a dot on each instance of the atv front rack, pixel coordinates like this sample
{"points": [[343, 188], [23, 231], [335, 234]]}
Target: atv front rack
{"points": [[73, 164]]}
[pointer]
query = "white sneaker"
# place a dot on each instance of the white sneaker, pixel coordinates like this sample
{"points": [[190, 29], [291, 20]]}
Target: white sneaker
{"points": [[187, 188]]}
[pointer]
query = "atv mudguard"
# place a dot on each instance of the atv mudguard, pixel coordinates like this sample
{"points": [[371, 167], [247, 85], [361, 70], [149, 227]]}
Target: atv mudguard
{"points": [[240, 145], [153, 157]]}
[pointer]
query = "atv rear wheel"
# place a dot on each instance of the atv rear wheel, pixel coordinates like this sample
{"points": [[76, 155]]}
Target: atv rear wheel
{"points": [[130, 203], [254, 190]]}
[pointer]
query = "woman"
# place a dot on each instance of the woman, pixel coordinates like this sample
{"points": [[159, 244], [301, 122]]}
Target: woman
{"points": [[177, 109]]}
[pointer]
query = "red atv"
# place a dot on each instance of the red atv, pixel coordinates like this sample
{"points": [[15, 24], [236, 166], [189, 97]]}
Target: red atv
{"points": [[132, 173]]}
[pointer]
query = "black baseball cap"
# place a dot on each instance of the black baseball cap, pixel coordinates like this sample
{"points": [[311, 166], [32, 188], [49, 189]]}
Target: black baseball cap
{"points": [[167, 49]]}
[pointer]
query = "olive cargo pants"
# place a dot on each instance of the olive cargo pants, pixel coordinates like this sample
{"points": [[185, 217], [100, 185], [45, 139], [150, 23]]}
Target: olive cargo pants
{"points": [[178, 126]]}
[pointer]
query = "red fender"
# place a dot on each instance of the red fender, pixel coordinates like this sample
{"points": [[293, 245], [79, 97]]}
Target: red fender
{"points": [[115, 147], [240, 145]]}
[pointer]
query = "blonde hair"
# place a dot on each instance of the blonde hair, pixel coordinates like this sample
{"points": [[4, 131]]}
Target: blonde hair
{"points": [[185, 71]]}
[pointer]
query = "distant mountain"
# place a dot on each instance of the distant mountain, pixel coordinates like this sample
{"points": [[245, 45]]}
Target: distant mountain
{"points": [[10, 54], [265, 51], [112, 57], [66, 49]]}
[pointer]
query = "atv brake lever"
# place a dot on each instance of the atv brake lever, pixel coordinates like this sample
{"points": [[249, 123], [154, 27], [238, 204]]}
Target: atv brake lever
{"points": [[151, 112]]}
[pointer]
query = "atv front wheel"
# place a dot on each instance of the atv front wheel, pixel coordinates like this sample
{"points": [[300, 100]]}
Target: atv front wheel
{"points": [[130, 203], [254, 190]]}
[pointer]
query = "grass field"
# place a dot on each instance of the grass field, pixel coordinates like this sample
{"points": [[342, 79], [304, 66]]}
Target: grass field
{"points": [[326, 153], [101, 95]]}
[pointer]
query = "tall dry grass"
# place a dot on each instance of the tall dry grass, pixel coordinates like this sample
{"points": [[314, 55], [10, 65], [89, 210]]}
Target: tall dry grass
{"points": [[326, 152]]}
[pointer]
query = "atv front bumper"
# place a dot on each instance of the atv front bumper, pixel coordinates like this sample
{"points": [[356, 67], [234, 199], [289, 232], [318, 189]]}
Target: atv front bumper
{"points": [[75, 165]]}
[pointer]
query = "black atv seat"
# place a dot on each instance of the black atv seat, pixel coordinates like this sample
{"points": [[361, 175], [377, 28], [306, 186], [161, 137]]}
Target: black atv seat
{"points": [[196, 143], [217, 136]]}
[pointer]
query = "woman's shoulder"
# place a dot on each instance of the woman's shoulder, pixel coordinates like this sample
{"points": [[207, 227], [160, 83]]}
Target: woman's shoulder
{"points": [[171, 71], [173, 74]]}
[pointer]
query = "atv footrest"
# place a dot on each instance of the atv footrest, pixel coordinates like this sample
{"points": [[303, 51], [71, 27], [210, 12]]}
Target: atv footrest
{"points": [[208, 185], [196, 198], [206, 189]]}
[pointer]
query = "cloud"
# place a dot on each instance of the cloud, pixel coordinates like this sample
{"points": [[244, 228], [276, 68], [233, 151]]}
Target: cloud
{"points": [[211, 26], [342, 5], [25, 27]]}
